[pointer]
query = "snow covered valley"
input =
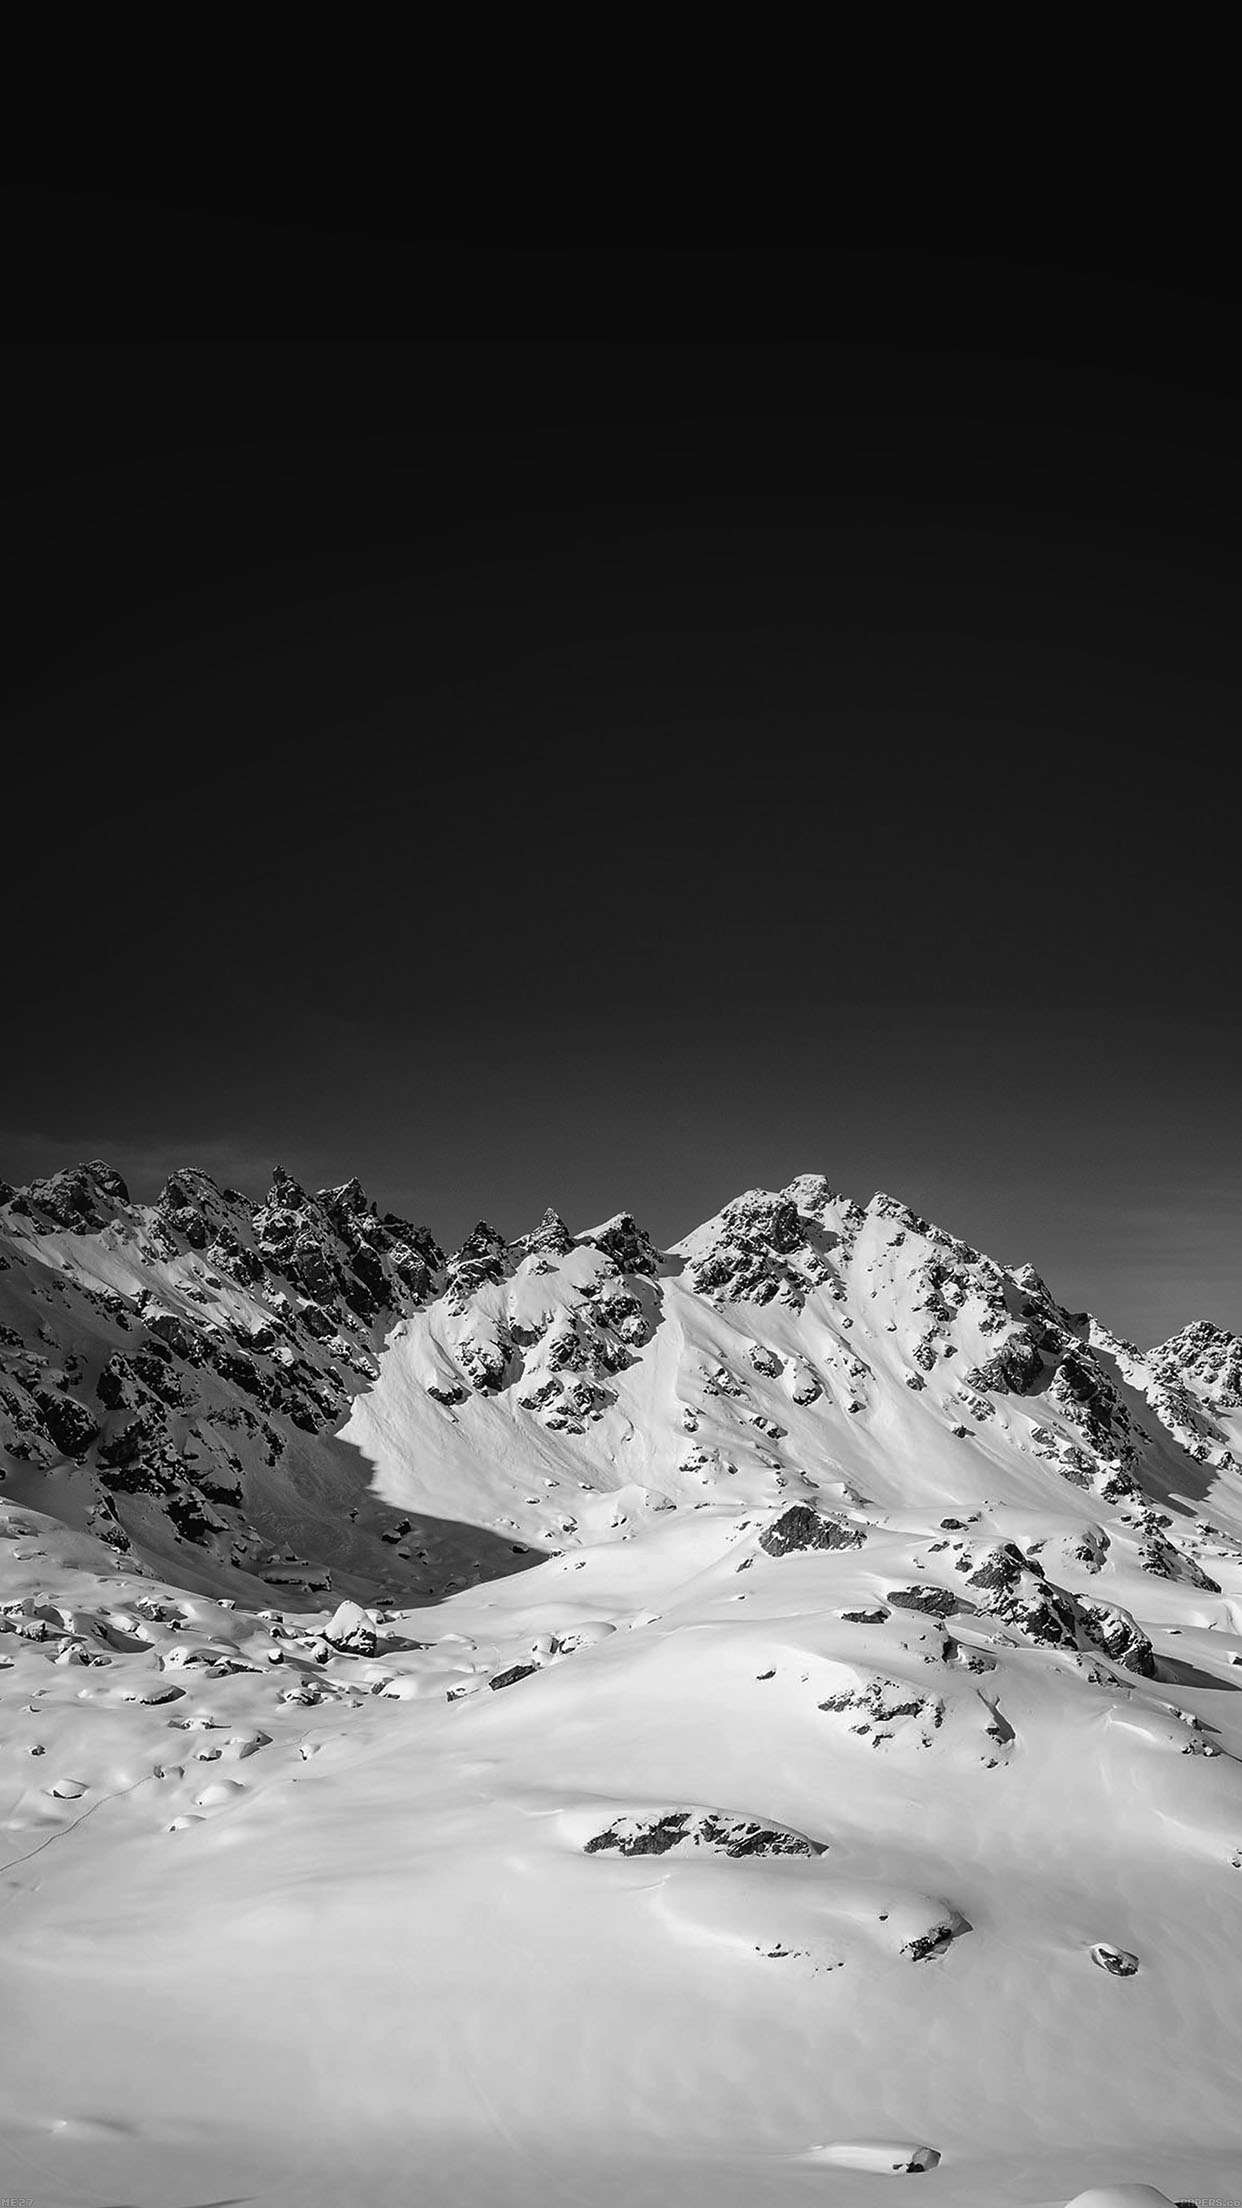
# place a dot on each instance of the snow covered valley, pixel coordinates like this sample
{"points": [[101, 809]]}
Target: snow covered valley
{"points": [[570, 1723]]}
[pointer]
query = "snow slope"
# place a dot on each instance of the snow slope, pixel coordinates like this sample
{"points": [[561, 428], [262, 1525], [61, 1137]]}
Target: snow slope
{"points": [[851, 1791], [174, 1376]]}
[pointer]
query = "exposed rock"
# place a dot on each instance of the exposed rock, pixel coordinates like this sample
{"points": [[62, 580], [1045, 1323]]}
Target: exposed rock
{"points": [[1016, 1368], [352, 1630], [800, 1527], [884, 1703], [67, 1421], [934, 1602], [938, 1938], [701, 1831], [482, 1260], [625, 1242], [551, 1237], [760, 1247], [82, 1199], [1118, 1961]]}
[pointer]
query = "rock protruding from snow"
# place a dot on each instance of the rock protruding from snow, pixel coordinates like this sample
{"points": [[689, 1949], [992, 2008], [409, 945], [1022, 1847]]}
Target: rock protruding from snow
{"points": [[1209, 1356], [481, 1261], [196, 1343], [628, 1245], [551, 1238], [81, 1199], [799, 1527], [1117, 1961], [352, 1630], [699, 1831], [758, 1248]]}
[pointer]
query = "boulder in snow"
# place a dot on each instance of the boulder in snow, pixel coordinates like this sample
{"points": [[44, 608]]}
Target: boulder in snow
{"points": [[351, 1630]]}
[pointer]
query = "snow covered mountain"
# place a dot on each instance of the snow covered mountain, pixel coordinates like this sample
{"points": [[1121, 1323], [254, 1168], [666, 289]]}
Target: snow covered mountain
{"points": [[211, 1383], [740, 1719], [173, 1376]]}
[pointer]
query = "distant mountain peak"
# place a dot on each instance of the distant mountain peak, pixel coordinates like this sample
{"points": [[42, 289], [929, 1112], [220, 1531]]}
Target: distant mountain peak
{"points": [[185, 1355], [80, 1198], [551, 1237], [628, 1245]]}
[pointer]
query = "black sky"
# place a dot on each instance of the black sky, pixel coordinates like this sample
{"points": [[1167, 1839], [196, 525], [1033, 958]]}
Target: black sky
{"points": [[613, 730]]}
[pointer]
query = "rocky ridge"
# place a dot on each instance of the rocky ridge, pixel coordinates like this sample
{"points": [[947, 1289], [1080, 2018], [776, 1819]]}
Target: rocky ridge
{"points": [[180, 1375]]}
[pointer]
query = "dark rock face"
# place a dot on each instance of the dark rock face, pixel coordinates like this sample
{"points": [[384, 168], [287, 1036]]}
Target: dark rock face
{"points": [[624, 1241], [938, 1938], [482, 1261], [446, 1391], [485, 1360], [1114, 1632], [933, 1602], [1006, 1585], [332, 1248], [69, 1423], [351, 1631], [882, 1703], [515, 1672], [763, 1248], [709, 1831], [1208, 1354], [1043, 1356], [1165, 1560], [1016, 1368], [800, 1527], [160, 1400], [1118, 1961], [81, 1200], [551, 1238]]}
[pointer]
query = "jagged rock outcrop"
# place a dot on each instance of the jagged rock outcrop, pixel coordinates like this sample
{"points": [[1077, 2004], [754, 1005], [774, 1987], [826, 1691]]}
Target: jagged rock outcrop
{"points": [[747, 1259], [178, 1352], [626, 1243], [770, 1245], [480, 1262], [551, 1238], [801, 1528], [701, 1832], [208, 1333], [83, 1199]]}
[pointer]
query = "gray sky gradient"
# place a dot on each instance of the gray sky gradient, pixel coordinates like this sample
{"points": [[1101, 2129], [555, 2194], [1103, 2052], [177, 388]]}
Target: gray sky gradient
{"points": [[526, 770]]}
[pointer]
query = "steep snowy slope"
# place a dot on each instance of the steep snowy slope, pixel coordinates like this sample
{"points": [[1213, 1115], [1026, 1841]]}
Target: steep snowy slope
{"points": [[172, 1377], [852, 1788], [795, 1346]]}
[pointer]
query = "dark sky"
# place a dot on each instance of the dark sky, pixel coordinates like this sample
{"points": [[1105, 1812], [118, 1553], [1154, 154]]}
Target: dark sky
{"points": [[614, 730]]}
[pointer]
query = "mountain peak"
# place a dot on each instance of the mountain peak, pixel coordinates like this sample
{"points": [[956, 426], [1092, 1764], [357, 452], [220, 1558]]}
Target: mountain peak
{"points": [[80, 1198], [347, 1196], [628, 1245], [285, 1193], [551, 1237]]}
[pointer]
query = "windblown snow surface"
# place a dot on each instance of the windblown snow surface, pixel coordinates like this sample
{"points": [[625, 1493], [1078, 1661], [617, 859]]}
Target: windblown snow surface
{"points": [[825, 1771]]}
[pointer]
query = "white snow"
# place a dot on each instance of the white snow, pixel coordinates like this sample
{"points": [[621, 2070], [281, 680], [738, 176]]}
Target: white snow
{"points": [[699, 1863]]}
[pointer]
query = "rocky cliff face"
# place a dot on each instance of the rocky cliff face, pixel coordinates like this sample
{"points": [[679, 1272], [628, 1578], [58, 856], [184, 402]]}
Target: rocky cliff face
{"points": [[210, 1382], [184, 1357]]}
